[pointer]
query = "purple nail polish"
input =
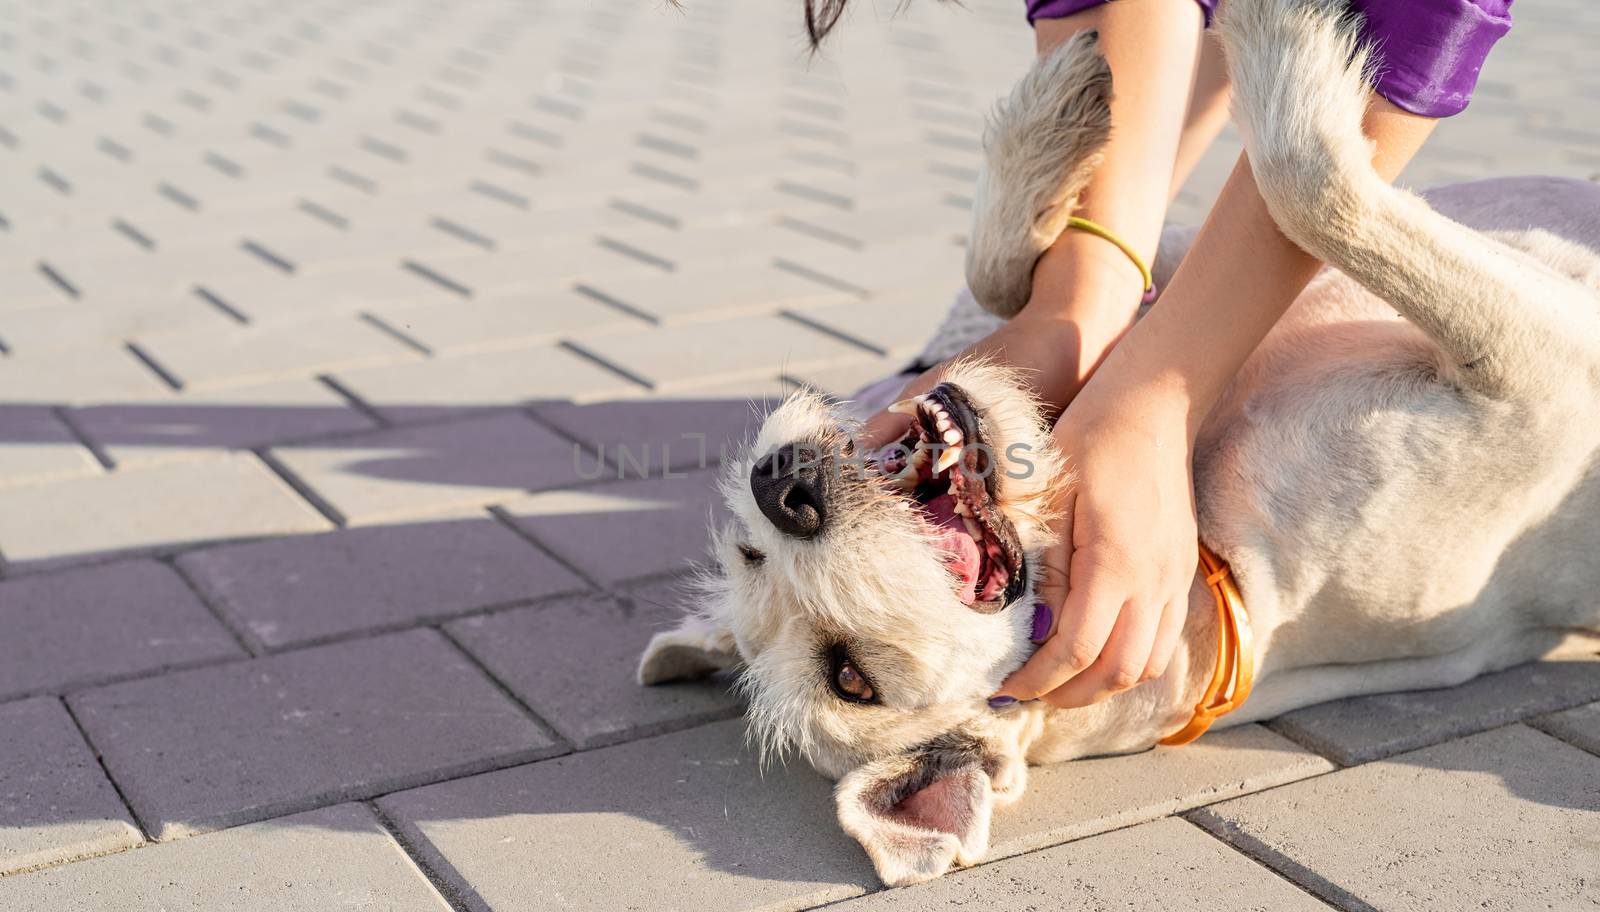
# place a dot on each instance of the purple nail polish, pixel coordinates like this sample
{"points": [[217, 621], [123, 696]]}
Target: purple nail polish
{"points": [[1042, 616], [1001, 702]]}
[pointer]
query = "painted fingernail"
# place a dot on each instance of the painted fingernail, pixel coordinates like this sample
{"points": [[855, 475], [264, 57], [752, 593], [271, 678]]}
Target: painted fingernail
{"points": [[1001, 702], [1042, 616]]}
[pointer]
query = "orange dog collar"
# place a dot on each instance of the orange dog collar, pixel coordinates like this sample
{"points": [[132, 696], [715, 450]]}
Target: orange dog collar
{"points": [[1235, 654]]}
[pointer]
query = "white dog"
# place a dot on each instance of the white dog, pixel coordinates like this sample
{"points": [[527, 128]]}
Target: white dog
{"points": [[1403, 477]]}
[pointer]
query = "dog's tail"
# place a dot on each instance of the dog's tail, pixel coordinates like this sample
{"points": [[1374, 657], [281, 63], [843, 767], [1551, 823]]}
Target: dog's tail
{"points": [[1506, 323], [1041, 145]]}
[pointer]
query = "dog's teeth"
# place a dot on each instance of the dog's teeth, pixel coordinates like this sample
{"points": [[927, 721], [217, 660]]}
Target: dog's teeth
{"points": [[904, 407], [947, 459], [972, 528], [943, 424], [960, 509], [952, 436]]}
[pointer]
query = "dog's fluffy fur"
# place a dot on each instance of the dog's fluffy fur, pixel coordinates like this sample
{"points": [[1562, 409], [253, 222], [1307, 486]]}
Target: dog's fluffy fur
{"points": [[1403, 476]]}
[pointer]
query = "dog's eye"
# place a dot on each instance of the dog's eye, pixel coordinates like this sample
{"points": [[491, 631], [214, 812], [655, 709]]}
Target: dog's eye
{"points": [[847, 680], [752, 555]]}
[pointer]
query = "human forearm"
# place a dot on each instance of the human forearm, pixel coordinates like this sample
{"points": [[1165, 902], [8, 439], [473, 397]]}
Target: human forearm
{"points": [[1238, 278], [1152, 47]]}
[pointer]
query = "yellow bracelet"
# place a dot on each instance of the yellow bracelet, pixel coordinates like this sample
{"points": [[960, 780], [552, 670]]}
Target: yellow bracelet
{"points": [[1101, 231]]}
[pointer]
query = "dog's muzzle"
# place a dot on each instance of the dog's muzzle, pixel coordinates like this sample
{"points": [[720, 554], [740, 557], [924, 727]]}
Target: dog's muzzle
{"points": [[790, 485]]}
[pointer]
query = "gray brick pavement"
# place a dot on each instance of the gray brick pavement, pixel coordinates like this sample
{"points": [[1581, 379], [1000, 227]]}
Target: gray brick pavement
{"points": [[55, 802], [200, 750], [414, 253]]}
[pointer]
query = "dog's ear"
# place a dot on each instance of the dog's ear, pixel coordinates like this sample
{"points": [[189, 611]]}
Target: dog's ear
{"points": [[694, 649], [921, 812]]}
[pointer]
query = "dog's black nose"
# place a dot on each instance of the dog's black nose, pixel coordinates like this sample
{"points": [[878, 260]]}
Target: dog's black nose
{"points": [[791, 488]]}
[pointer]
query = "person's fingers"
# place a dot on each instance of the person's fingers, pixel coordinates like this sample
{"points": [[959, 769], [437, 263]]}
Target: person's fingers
{"points": [[1167, 634], [1120, 664], [1086, 620], [883, 429]]}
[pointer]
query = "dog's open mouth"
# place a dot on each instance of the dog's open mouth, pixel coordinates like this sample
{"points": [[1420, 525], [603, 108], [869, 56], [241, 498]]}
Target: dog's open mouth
{"points": [[947, 467]]}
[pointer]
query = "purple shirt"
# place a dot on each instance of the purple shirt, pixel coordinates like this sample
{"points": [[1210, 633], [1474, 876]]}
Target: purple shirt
{"points": [[1430, 51]]}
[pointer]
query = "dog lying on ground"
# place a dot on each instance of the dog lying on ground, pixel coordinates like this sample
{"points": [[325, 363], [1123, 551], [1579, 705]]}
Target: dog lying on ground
{"points": [[1403, 476]]}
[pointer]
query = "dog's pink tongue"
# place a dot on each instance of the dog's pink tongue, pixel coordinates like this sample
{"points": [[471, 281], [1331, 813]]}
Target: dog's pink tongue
{"points": [[960, 551]]}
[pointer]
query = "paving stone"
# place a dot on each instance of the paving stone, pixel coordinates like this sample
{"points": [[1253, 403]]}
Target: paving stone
{"points": [[574, 662], [197, 424], [714, 833], [1579, 726], [1068, 801], [1368, 728], [626, 530], [215, 747], [246, 354], [433, 468], [719, 291], [55, 802], [155, 509], [509, 321], [898, 323], [337, 857], [1505, 819], [61, 631], [732, 349], [483, 380], [35, 446], [1163, 866], [292, 591], [702, 825]]}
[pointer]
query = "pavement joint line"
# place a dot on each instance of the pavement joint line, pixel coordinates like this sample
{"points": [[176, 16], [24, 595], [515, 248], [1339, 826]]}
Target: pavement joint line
{"points": [[447, 885], [63, 414], [324, 214], [439, 279], [645, 213], [561, 740], [271, 259], [393, 332], [498, 194], [600, 297], [77, 687], [239, 632], [800, 226], [177, 196], [1274, 872], [598, 361], [296, 484], [662, 175], [635, 253], [149, 361], [133, 234], [212, 298], [1536, 723], [502, 516], [355, 401], [144, 829], [829, 331], [1285, 867], [821, 278], [60, 281], [522, 130], [512, 162], [351, 179], [461, 232]]}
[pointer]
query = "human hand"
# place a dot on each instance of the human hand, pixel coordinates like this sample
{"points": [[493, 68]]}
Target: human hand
{"points": [[1118, 580]]}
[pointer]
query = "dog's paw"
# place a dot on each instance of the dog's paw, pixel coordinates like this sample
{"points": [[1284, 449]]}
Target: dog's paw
{"points": [[695, 649]]}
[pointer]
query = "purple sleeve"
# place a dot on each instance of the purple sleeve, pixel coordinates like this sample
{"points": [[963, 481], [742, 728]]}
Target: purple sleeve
{"points": [[1056, 9], [1429, 51]]}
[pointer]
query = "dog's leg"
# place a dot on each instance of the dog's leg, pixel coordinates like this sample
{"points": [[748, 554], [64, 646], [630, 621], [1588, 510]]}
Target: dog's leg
{"points": [[1041, 145], [1506, 323]]}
